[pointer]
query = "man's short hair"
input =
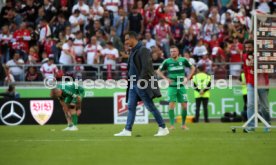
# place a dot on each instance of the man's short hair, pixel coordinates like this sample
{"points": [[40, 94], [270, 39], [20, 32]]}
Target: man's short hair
{"points": [[132, 34], [249, 42], [173, 46]]}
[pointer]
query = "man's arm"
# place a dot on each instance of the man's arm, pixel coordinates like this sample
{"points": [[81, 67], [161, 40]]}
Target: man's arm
{"points": [[146, 63]]}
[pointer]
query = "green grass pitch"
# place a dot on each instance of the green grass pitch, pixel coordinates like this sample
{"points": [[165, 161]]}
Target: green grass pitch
{"points": [[203, 144]]}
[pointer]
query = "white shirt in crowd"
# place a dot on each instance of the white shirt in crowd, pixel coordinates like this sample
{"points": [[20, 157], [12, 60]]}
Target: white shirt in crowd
{"points": [[14, 68], [97, 12], [187, 24], [66, 58], [207, 63], [200, 51], [44, 33], [91, 51], [82, 8], [199, 7], [74, 20], [113, 52], [48, 71], [112, 5], [78, 47], [150, 43]]}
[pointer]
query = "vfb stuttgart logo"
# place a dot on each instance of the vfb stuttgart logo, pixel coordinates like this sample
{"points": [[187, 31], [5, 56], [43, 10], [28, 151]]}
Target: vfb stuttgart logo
{"points": [[42, 110], [122, 107]]}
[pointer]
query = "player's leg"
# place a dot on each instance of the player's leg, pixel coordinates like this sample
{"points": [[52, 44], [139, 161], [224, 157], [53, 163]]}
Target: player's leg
{"points": [[182, 98], [73, 111], [67, 114], [172, 92], [78, 105]]}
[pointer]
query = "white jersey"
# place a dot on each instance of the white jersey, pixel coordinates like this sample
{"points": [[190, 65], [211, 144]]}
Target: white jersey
{"points": [[48, 70], [112, 5], [78, 46], [66, 58], [106, 52], [82, 8], [91, 51]]}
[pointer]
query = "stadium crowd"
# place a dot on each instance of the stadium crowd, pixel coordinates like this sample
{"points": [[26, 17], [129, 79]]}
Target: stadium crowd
{"points": [[66, 32]]}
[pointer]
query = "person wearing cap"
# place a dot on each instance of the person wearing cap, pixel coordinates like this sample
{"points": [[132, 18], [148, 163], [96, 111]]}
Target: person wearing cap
{"points": [[49, 69], [201, 84]]}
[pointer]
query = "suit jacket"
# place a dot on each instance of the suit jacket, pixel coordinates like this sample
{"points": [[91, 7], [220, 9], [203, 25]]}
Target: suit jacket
{"points": [[143, 62]]}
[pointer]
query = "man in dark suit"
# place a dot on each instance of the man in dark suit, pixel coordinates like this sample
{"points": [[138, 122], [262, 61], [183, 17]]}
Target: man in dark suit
{"points": [[141, 85]]}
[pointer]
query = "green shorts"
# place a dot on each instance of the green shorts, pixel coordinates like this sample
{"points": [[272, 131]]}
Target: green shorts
{"points": [[179, 95]]}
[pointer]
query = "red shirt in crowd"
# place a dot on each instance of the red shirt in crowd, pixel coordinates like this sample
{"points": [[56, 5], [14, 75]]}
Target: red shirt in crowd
{"points": [[235, 52], [22, 37]]}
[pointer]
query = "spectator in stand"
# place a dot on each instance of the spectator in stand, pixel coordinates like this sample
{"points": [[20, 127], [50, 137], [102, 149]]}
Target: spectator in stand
{"points": [[78, 69], [196, 26], [162, 34], [96, 11], [224, 5], [33, 57], [21, 38], [140, 9], [15, 66], [136, 22], [4, 13], [82, 7], [60, 25], [67, 56], [156, 60], [78, 44], [209, 30], [200, 9], [49, 69], [149, 41], [199, 51], [5, 43], [50, 11], [127, 5], [106, 21], [9, 77], [150, 18], [110, 55], [121, 23], [186, 22], [235, 50], [32, 75], [117, 43], [190, 59], [30, 12], [77, 21], [112, 5], [45, 31], [177, 31], [10, 93], [207, 63], [171, 9], [214, 14], [92, 53]]}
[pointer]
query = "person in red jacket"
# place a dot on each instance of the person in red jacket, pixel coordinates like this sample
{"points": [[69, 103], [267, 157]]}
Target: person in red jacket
{"points": [[248, 60], [22, 36]]}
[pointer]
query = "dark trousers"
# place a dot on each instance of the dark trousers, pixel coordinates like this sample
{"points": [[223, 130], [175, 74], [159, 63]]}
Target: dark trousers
{"points": [[204, 101], [133, 95], [244, 113]]}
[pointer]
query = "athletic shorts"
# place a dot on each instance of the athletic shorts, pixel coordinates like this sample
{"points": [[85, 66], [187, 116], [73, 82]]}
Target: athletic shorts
{"points": [[177, 95]]}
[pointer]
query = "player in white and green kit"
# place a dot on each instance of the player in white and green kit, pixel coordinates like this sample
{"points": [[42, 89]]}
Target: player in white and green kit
{"points": [[175, 67], [70, 96]]}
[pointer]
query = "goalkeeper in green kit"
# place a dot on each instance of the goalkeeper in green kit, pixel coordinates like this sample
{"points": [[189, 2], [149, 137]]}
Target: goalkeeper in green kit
{"points": [[70, 96], [175, 66]]}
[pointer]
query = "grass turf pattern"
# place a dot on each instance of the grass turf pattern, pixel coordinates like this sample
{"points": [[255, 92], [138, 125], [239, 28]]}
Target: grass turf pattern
{"points": [[204, 144]]}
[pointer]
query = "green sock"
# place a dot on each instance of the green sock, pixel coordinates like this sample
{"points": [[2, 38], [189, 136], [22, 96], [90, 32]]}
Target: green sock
{"points": [[171, 115], [75, 119], [184, 115]]}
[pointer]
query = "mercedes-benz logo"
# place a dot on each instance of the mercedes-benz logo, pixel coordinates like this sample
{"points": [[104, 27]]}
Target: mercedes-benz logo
{"points": [[11, 109]]}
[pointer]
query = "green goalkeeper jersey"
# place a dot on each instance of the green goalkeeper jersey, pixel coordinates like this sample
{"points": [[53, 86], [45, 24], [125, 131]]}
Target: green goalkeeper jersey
{"points": [[71, 90], [175, 69]]}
